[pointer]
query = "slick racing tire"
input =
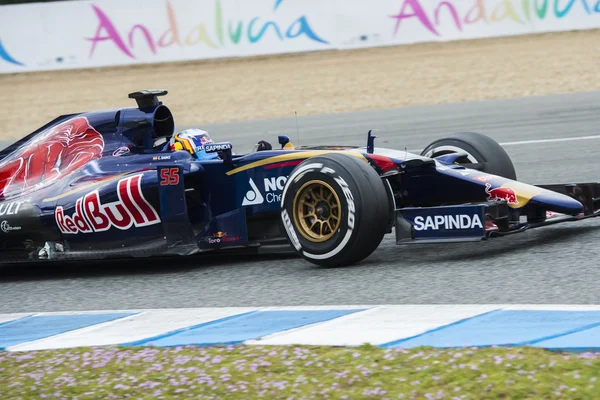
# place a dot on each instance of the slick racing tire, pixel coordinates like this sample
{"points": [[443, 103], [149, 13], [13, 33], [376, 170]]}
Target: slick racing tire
{"points": [[481, 149], [334, 210]]}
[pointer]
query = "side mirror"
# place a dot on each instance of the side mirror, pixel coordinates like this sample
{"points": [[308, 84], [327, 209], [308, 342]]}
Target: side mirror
{"points": [[224, 150]]}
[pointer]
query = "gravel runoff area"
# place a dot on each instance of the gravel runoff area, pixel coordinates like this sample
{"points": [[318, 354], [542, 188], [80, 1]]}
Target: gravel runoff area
{"points": [[299, 372], [317, 83]]}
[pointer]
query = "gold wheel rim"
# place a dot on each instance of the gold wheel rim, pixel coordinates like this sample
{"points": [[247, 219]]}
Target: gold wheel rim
{"points": [[317, 211]]}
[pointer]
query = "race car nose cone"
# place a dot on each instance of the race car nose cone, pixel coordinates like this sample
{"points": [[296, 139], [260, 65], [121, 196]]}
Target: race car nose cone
{"points": [[519, 194], [558, 203]]}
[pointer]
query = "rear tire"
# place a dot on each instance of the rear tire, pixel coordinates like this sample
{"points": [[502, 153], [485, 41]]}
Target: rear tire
{"points": [[479, 148], [334, 210]]}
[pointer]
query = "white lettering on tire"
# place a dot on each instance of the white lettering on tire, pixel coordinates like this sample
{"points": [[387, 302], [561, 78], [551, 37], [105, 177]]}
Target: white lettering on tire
{"points": [[350, 200], [293, 176], [289, 228]]}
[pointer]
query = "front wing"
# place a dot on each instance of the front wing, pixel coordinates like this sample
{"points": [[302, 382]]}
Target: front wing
{"points": [[480, 221]]}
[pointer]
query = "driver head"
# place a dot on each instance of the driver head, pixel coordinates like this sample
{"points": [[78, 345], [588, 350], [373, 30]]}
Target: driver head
{"points": [[193, 140]]}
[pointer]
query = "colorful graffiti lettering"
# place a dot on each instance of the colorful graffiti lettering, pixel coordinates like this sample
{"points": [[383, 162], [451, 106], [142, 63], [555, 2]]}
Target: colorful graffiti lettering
{"points": [[254, 31], [7, 57], [478, 12]]}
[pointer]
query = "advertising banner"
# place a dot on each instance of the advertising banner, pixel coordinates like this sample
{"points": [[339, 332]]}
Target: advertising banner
{"points": [[393, 22], [80, 34], [84, 34]]}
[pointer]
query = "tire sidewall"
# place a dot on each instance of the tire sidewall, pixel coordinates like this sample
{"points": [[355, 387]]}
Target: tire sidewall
{"points": [[341, 181]]}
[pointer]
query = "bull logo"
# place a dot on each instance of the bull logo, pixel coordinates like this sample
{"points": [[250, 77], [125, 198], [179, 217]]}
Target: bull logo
{"points": [[61, 150], [501, 193]]}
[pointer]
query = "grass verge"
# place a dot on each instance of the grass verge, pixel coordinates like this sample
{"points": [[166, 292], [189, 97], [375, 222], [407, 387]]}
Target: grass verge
{"points": [[296, 372]]}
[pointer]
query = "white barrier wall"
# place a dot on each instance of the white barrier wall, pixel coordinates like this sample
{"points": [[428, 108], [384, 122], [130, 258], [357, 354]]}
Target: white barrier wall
{"points": [[80, 34]]}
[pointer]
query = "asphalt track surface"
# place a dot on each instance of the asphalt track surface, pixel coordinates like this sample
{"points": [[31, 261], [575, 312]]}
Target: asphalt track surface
{"points": [[554, 265]]}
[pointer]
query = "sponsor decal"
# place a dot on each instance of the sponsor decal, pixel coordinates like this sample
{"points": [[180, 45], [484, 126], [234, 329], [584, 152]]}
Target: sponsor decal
{"points": [[6, 228], [501, 193], [121, 151], [483, 178], [57, 152], [221, 237], [90, 215], [161, 158], [253, 196], [11, 208], [447, 222], [520, 193], [272, 189], [215, 147], [275, 183]]}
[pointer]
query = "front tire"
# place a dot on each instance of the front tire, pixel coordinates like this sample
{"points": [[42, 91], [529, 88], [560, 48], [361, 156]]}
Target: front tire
{"points": [[334, 209], [480, 149]]}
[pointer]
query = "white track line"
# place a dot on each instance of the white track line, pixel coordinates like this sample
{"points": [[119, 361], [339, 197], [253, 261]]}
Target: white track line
{"points": [[537, 141], [550, 140]]}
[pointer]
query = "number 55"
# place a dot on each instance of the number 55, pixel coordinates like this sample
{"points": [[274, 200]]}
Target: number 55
{"points": [[169, 176]]}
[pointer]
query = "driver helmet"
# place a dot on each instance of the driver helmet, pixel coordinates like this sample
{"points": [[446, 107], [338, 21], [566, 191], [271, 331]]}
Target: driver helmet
{"points": [[193, 140]]}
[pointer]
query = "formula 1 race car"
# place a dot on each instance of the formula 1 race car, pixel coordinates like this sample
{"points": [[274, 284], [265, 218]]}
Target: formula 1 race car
{"points": [[121, 183]]}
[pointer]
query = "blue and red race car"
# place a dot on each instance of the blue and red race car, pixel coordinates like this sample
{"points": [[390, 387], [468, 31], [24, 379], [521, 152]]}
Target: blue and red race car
{"points": [[122, 183]]}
